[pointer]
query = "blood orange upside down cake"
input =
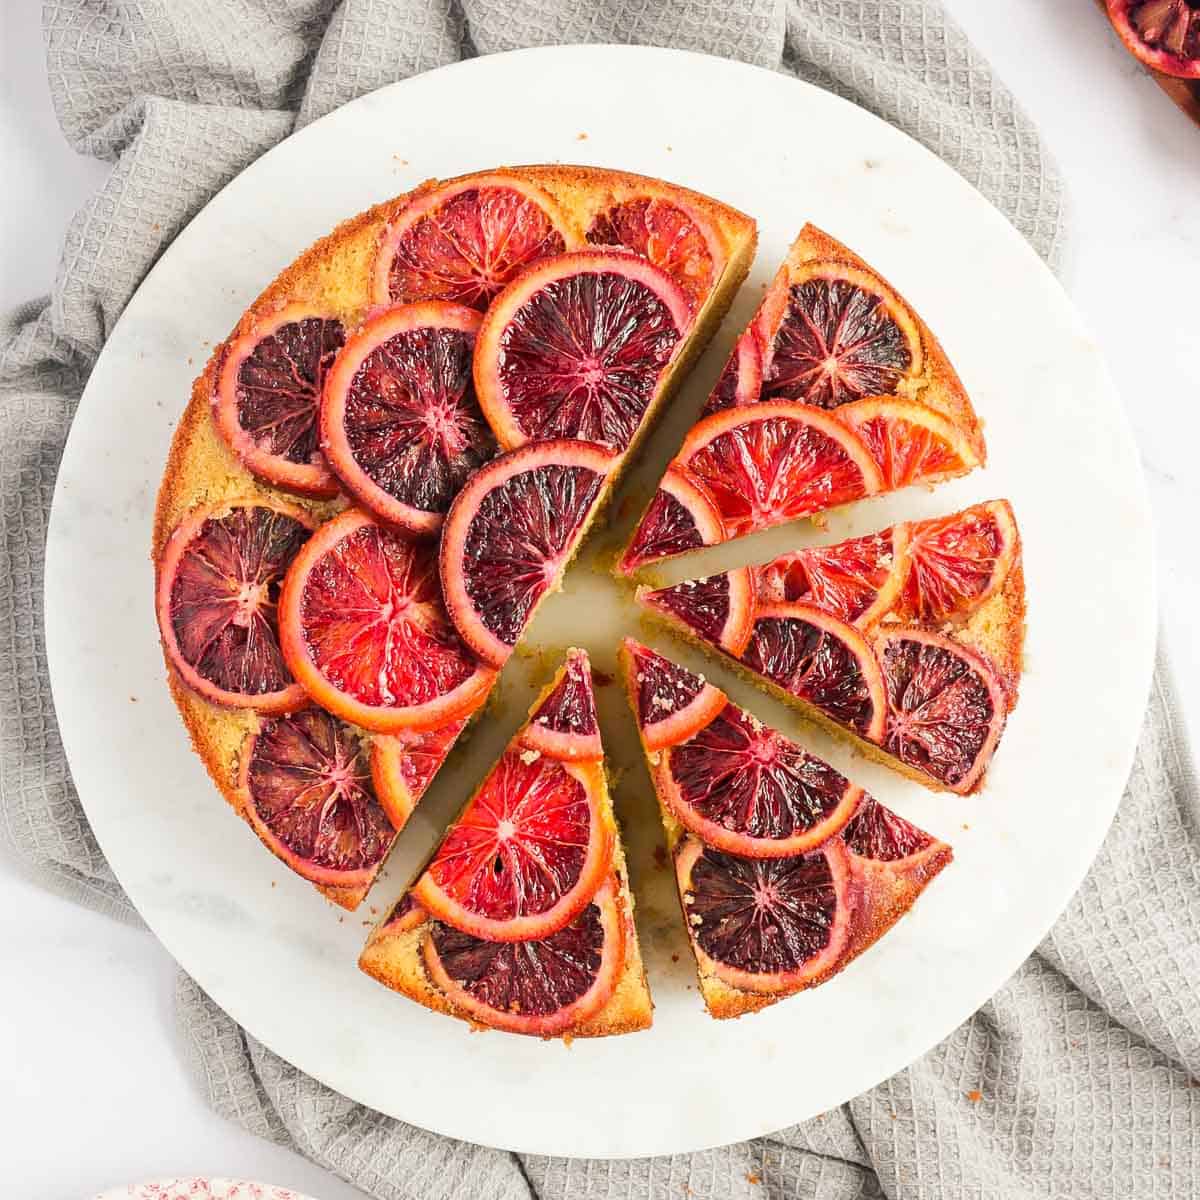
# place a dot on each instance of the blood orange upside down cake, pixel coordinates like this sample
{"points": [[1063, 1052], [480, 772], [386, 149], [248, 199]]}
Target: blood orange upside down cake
{"points": [[391, 461], [837, 390], [786, 870], [908, 641], [299, 576], [522, 920]]}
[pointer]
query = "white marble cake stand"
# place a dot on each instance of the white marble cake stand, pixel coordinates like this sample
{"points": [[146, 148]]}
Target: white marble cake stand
{"points": [[278, 958]]}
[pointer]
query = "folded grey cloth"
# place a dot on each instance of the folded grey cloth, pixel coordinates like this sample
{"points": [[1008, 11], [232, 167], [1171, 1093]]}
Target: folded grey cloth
{"points": [[1078, 1079]]}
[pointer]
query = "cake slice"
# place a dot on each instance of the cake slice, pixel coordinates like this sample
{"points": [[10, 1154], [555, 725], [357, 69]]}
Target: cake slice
{"points": [[786, 870], [573, 361], [837, 390], [907, 641], [522, 919]]}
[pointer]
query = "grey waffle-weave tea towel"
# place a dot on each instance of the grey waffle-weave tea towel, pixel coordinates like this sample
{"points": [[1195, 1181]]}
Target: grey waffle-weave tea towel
{"points": [[1077, 1079]]}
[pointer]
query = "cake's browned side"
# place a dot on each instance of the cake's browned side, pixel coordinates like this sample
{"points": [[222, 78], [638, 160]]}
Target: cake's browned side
{"points": [[334, 274]]}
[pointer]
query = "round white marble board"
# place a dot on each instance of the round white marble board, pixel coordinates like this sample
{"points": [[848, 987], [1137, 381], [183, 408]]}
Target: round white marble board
{"points": [[279, 959]]}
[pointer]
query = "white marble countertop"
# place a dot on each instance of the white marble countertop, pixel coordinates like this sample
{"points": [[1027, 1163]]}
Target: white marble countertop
{"points": [[93, 1091]]}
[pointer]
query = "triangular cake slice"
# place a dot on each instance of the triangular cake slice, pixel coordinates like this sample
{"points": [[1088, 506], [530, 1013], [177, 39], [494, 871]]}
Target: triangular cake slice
{"points": [[786, 870], [522, 919], [908, 641], [572, 362], [835, 391]]}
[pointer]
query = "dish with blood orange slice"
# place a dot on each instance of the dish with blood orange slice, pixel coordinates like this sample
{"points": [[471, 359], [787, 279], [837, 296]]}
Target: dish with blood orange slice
{"points": [[510, 534], [524, 914], [786, 870], [579, 346], [268, 392], [373, 326], [833, 349], [400, 425], [917, 572], [858, 581], [462, 241], [534, 843], [364, 630], [307, 789], [218, 589]]}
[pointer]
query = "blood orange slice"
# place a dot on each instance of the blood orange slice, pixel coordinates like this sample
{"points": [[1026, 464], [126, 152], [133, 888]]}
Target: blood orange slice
{"points": [[464, 240], [740, 381], [841, 336], [891, 863], [766, 925], [669, 702], [306, 788], [400, 424], [675, 238], [363, 629], [823, 661], [878, 834], [955, 564], [268, 392], [946, 706], [403, 765], [1163, 34], [680, 517], [565, 725], [857, 580], [746, 789], [527, 853], [764, 464], [910, 442], [543, 987], [510, 534], [218, 587], [576, 347], [719, 609]]}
